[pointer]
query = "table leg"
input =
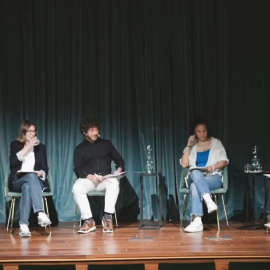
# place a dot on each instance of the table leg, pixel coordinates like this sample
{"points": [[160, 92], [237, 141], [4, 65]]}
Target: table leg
{"points": [[253, 201], [155, 225], [159, 202], [267, 201], [141, 202], [250, 213], [247, 199]]}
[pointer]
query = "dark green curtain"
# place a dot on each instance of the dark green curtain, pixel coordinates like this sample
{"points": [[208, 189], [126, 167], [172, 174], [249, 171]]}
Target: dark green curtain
{"points": [[145, 68]]}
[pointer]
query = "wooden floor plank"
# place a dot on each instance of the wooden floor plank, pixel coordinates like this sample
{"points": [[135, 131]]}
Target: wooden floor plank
{"points": [[128, 244]]}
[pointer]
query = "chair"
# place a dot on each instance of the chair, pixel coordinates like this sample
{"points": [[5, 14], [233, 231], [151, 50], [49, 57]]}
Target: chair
{"points": [[15, 195], [93, 193], [220, 191]]}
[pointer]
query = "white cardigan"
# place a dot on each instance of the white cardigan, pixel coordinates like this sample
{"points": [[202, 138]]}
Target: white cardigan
{"points": [[217, 153]]}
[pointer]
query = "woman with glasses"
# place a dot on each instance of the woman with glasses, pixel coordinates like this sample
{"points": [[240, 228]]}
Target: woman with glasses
{"points": [[28, 175]]}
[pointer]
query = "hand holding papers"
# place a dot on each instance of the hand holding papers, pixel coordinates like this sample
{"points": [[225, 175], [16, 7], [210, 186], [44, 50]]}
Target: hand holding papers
{"points": [[117, 176], [20, 172], [203, 169]]}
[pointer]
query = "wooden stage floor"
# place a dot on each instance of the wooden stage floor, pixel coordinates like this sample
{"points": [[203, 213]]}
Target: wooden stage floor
{"points": [[128, 245]]}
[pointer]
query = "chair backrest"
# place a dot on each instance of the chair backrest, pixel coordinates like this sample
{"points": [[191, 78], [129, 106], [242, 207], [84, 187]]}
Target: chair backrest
{"points": [[6, 188], [49, 193], [7, 192], [224, 188], [225, 179], [183, 187]]}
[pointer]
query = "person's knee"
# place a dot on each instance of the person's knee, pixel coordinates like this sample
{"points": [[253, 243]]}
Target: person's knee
{"points": [[31, 177], [114, 184], [192, 188], [195, 174], [75, 188], [78, 188], [25, 188]]}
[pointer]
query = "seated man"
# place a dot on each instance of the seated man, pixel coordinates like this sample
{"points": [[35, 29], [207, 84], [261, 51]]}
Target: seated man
{"points": [[92, 161]]}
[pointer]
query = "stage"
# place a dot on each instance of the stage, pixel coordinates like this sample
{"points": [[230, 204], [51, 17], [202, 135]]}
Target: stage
{"points": [[128, 245]]}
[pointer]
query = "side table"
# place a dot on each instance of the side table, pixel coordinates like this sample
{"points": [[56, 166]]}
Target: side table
{"points": [[156, 224], [267, 195], [251, 216]]}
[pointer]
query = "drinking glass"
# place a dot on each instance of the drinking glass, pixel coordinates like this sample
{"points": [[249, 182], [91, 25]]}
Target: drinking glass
{"points": [[247, 168]]}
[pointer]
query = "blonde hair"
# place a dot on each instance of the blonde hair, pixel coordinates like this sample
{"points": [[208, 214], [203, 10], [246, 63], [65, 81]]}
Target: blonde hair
{"points": [[25, 125]]}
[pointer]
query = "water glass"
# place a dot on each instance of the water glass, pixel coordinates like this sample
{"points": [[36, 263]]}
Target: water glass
{"points": [[259, 168], [247, 168]]}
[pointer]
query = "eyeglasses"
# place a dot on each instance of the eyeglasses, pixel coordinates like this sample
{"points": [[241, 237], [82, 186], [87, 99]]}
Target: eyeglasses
{"points": [[32, 131]]}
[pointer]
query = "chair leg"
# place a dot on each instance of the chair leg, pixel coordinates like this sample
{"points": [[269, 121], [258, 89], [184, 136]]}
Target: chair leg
{"points": [[215, 196], [115, 216], [46, 208], [183, 210], [76, 212], [11, 214], [224, 208]]}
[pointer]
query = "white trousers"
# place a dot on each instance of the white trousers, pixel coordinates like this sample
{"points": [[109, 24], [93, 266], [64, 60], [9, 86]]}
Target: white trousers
{"points": [[83, 185]]}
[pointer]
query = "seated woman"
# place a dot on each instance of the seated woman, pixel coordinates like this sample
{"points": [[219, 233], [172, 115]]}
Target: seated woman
{"points": [[206, 157], [28, 175]]}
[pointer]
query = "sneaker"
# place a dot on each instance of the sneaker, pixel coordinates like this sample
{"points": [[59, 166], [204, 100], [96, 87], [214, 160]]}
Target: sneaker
{"points": [[267, 225], [24, 230], [43, 219], [107, 224], [88, 226], [194, 227], [211, 207]]}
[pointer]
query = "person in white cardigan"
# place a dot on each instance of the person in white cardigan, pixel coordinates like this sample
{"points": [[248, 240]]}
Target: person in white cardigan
{"points": [[205, 157]]}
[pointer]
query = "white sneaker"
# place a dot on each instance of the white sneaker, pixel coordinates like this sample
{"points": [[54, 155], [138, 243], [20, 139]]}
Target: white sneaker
{"points": [[211, 207], [43, 219], [194, 227], [24, 230]]}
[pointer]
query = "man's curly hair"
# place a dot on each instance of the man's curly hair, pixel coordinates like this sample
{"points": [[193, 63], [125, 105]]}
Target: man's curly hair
{"points": [[87, 123]]}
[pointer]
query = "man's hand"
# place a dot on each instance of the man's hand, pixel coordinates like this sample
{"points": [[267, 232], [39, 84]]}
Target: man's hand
{"points": [[94, 178], [118, 171]]}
